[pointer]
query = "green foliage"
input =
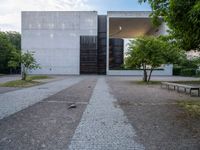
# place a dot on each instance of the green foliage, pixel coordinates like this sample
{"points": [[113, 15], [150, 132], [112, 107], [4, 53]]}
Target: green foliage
{"points": [[19, 83], [28, 63], [38, 77], [10, 43], [182, 17], [191, 107], [187, 67], [14, 38], [151, 52], [177, 70], [188, 72], [198, 73]]}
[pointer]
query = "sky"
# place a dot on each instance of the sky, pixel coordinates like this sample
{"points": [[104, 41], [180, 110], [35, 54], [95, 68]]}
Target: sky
{"points": [[10, 10]]}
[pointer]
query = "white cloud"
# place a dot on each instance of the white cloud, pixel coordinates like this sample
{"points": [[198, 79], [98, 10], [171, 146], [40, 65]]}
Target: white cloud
{"points": [[10, 10]]}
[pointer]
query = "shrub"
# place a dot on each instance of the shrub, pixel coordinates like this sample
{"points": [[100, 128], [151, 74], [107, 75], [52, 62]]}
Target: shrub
{"points": [[198, 73], [188, 72], [177, 71]]}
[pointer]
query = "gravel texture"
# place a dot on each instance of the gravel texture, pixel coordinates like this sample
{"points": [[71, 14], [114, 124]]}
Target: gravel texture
{"points": [[120, 115], [7, 78], [7, 89], [153, 112], [103, 125], [49, 124], [15, 101]]}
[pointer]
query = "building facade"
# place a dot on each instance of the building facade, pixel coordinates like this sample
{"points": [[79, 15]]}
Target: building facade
{"points": [[83, 42]]}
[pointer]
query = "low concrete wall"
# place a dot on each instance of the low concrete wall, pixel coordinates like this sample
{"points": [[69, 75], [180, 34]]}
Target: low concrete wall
{"points": [[167, 71]]}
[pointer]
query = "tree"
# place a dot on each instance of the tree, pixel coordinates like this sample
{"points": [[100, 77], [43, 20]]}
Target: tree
{"points": [[28, 62], [10, 48], [182, 17], [150, 53], [14, 38]]}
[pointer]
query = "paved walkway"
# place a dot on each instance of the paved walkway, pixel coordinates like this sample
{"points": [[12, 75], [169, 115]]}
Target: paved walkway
{"points": [[103, 124], [15, 101]]}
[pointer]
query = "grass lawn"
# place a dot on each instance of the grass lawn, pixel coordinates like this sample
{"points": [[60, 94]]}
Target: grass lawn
{"points": [[192, 107], [38, 77], [145, 83], [30, 81]]}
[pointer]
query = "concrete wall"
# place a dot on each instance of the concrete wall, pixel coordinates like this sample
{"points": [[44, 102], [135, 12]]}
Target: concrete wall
{"points": [[55, 38], [167, 71]]}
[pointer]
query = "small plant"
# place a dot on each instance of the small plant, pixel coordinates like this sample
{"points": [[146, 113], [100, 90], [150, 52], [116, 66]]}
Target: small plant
{"points": [[192, 108], [28, 62]]}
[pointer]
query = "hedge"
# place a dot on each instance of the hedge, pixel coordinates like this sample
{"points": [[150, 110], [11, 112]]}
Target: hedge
{"points": [[188, 72]]}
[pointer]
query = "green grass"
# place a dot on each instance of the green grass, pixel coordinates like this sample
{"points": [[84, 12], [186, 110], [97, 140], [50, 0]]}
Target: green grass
{"points": [[30, 81], [38, 77], [145, 83], [19, 83], [191, 107]]}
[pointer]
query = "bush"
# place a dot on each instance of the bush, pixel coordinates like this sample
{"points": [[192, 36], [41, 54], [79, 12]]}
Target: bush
{"points": [[177, 71], [188, 72], [198, 73]]}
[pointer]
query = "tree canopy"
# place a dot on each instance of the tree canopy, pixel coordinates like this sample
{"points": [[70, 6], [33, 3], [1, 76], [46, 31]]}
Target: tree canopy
{"points": [[150, 53], [182, 17], [10, 48], [28, 62]]}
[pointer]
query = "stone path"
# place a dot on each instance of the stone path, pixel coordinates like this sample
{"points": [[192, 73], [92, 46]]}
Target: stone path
{"points": [[15, 101], [103, 124]]}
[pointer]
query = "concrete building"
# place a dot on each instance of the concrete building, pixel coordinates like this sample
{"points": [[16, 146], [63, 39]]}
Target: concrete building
{"points": [[83, 42]]}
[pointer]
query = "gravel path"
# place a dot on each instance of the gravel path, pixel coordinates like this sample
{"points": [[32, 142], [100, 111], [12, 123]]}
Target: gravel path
{"points": [[15, 101], [160, 124], [49, 124], [103, 125]]}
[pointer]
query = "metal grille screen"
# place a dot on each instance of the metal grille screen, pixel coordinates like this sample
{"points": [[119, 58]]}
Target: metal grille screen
{"points": [[88, 55]]}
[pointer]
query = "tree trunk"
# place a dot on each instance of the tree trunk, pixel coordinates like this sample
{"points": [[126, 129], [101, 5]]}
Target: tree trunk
{"points": [[150, 74], [24, 73], [145, 73]]}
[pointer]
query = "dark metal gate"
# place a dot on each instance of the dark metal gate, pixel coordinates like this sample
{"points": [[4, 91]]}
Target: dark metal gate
{"points": [[88, 55], [102, 42]]}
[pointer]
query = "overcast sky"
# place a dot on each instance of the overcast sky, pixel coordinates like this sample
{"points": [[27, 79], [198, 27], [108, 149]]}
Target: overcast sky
{"points": [[10, 10]]}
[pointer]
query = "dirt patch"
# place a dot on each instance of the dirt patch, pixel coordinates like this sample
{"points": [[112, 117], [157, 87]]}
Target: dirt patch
{"points": [[155, 115], [48, 124]]}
